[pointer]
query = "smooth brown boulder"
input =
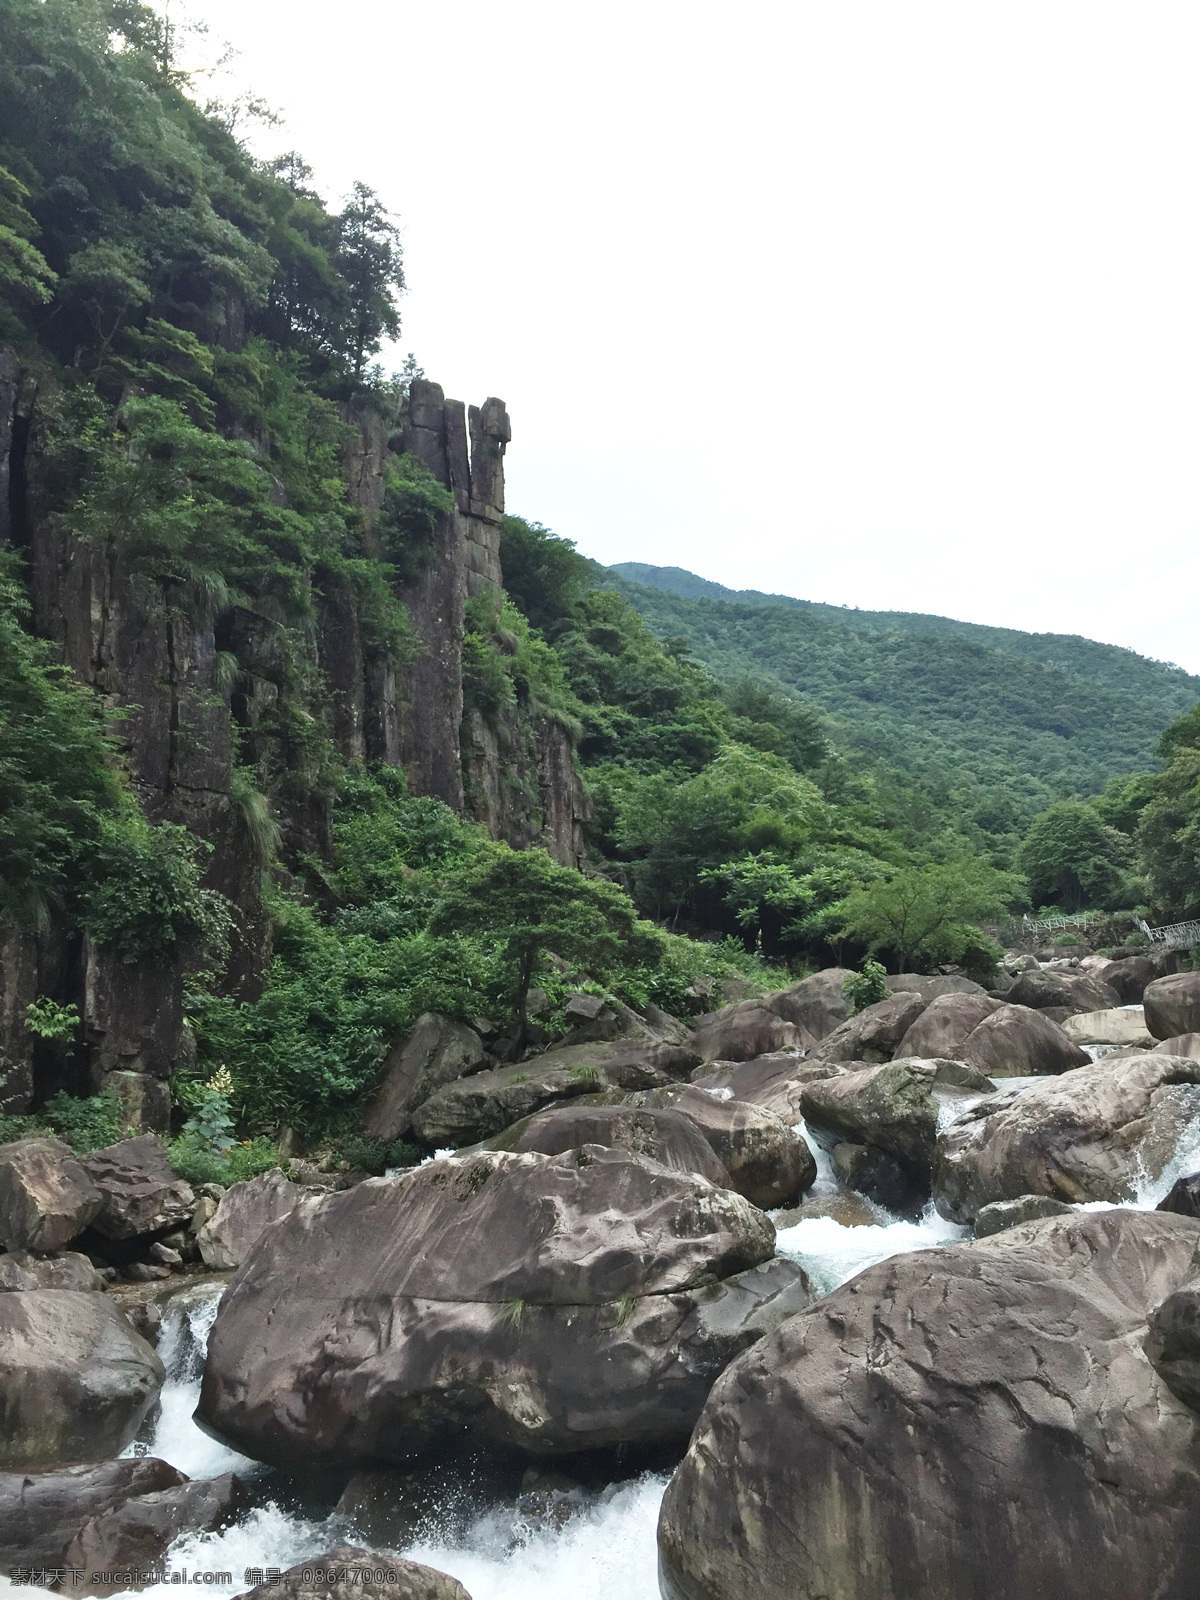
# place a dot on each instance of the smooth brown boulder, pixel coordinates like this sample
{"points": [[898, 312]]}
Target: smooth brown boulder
{"points": [[549, 1303], [1096, 1133], [1018, 1042], [1172, 1005], [1128, 977], [774, 1082], [1073, 991], [932, 987], [245, 1211], [894, 1107], [137, 1533], [437, 1051], [816, 1005], [660, 1134], [879, 1178], [765, 1160], [977, 1422], [75, 1379], [70, 1270], [46, 1198], [944, 1025], [484, 1104], [745, 1030], [1125, 1027], [1002, 1214], [41, 1512], [139, 1191], [349, 1573], [875, 1032]]}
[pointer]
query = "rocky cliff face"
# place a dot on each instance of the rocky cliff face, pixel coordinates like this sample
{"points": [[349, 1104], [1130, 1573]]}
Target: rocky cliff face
{"points": [[199, 686]]}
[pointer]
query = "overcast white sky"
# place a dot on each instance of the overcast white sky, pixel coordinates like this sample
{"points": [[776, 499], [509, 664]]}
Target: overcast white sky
{"points": [[886, 304]]}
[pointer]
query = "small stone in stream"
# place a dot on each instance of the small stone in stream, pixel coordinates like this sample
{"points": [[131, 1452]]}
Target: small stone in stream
{"points": [[352, 1574], [878, 1177], [144, 1272], [164, 1255], [847, 1210], [1003, 1214], [1184, 1198]]}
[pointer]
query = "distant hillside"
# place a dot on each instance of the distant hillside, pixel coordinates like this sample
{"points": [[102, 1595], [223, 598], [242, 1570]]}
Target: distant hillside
{"points": [[956, 704]]}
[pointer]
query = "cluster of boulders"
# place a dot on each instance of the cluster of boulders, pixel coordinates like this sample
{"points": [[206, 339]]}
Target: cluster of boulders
{"points": [[597, 1254]]}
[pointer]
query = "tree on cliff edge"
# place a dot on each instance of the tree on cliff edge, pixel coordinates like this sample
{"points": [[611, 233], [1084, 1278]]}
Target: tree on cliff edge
{"points": [[527, 902]]}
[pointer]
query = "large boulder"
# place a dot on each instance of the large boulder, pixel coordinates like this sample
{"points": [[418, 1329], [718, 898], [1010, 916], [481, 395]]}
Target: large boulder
{"points": [[70, 1270], [41, 1512], [932, 987], [551, 1303], [1017, 1042], [895, 1107], [75, 1380], [245, 1211], [766, 1160], [816, 1005], [437, 1051], [1173, 1344], [1071, 991], [46, 1198], [349, 1573], [978, 1421], [1183, 1044], [1123, 1027], [875, 1032], [1097, 1133], [1183, 1197], [745, 1030], [139, 1192], [945, 1024], [484, 1104], [658, 1133], [1129, 977], [137, 1533], [774, 1082], [1172, 1005]]}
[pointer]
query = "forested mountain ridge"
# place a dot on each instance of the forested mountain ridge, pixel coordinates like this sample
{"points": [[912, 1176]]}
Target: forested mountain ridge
{"points": [[1011, 719]]}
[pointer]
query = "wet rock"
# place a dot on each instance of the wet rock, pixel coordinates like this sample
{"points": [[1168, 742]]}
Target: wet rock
{"points": [[747, 1029], [894, 1107], [879, 1178], [551, 1303], [245, 1211], [847, 1210], [662, 1135], [1173, 1343], [145, 1272], [774, 1082], [1183, 1044], [945, 1024], [1172, 1005], [437, 1051], [46, 1198], [817, 1005], [1075, 991], [75, 1380], [486, 1103], [1002, 1214], [1017, 1042], [933, 988], [1091, 1134], [765, 1160], [20, 1270], [137, 1533], [41, 1512], [349, 1573], [1128, 977], [1184, 1197], [875, 1032], [1108, 1027], [928, 1430], [139, 1192]]}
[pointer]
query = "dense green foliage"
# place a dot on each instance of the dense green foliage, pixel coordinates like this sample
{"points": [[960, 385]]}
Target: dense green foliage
{"points": [[1072, 858], [1168, 829], [964, 726]]}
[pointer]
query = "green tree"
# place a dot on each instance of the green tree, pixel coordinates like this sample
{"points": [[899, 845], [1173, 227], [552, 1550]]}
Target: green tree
{"points": [[1169, 831], [370, 263], [928, 914], [529, 904], [1073, 858]]}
